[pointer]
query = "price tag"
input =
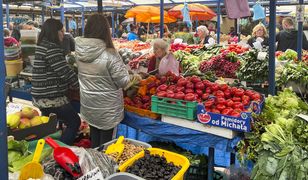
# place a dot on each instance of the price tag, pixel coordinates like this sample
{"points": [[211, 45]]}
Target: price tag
{"points": [[300, 13], [261, 55], [13, 108], [304, 117], [178, 41], [95, 174]]}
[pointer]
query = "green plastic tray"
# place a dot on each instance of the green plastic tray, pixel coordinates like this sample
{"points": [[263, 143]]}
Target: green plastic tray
{"points": [[174, 107]]}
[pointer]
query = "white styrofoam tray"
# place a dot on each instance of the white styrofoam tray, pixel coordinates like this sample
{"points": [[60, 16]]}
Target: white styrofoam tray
{"points": [[223, 132]]}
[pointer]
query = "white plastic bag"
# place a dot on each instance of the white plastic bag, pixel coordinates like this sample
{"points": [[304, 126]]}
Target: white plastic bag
{"points": [[169, 63]]}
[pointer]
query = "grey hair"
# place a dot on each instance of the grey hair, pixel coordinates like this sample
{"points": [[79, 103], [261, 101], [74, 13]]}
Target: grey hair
{"points": [[203, 29], [6, 32], [161, 44]]}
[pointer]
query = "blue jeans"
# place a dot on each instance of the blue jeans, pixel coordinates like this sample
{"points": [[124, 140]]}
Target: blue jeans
{"points": [[69, 117]]}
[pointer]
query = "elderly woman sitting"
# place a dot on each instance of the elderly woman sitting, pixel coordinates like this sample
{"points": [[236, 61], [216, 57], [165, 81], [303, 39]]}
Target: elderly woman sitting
{"points": [[204, 35], [161, 51]]}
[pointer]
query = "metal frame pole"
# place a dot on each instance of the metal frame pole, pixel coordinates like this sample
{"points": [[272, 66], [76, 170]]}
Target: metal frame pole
{"points": [[161, 18], [82, 20], [272, 48], [112, 24], [62, 11], [3, 128], [43, 14], [7, 15], [99, 6], [218, 21], [300, 35]]}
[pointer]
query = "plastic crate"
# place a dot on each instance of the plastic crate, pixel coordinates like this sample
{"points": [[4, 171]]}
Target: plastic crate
{"points": [[131, 141], [174, 107], [124, 176], [196, 172], [177, 159], [142, 112]]}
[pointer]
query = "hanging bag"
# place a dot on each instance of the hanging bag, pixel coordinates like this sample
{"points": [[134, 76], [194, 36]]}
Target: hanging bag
{"points": [[258, 12]]}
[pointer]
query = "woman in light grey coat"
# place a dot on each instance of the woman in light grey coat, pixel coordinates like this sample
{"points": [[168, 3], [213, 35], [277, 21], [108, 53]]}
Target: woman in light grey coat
{"points": [[102, 75]]}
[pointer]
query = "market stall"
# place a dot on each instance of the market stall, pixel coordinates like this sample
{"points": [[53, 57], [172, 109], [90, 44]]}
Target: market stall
{"points": [[217, 105]]}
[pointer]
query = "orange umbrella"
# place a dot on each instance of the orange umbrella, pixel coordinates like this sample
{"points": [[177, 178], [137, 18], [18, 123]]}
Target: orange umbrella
{"points": [[149, 11], [197, 12], [154, 19]]}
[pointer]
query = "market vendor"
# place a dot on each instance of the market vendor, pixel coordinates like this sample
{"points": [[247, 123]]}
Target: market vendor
{"points": [[204, 35], [161, 51], [259, 34]]}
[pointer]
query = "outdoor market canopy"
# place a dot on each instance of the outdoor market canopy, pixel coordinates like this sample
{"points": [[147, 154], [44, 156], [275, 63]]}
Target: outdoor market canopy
{"points": [[196, 11]]}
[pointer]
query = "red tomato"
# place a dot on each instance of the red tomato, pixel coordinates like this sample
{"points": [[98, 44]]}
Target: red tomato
{"points": [[221, 101], [190, 97], [238, 105], [162, 94], [219, 93], [179, 95], [199, 85], [245, 98], [209, 103], [223, 87], [189, 91], [199, 92], [226, 111], [182, 82], [205, 96], [215, 111], [220, 107], [190, 85], [208, 90], [179, 89], [236, 99], [229, 103], [235, 114], [162, 87]]}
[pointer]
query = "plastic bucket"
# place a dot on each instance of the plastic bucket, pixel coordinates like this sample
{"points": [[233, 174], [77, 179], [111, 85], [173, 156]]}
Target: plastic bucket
{"points": [[13, 68]]}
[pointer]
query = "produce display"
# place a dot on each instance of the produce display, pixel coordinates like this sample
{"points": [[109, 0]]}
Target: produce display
{"points": [[139, 95], [130, 150], [224, 65], [278, 143], [288, 55], [27, 117], [234, 48], [183, 47], [297, 73], [153, 167], [252, 68], [18, 154]]}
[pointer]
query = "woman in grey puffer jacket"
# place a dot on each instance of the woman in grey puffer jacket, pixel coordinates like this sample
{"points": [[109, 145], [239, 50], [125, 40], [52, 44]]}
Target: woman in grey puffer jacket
{"points": [[102, 75]]}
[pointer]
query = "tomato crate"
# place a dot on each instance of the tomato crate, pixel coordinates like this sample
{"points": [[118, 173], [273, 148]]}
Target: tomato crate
{"points": [[174, 107], [142, 112]]}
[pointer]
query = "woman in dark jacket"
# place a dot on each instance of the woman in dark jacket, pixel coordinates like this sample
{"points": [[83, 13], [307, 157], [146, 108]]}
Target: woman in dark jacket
{"points": [[51, 78], [259, 33]]}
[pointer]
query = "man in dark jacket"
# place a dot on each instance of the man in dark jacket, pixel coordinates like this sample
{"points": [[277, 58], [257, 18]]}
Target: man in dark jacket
{"points": [[287, 38]]}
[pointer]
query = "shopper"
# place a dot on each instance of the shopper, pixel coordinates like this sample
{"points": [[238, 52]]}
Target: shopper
{"points": [[132, 35], [51, 78], [259, 34], [68, 43], [120, 31], [8, 40], [161, 50], [287, 38], [102, 75], [15, 32], [205, 38], [72, 26]]}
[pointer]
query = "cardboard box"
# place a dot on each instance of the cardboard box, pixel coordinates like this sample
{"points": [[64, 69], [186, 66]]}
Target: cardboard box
{"points": [[35, 132], [195, 125]]}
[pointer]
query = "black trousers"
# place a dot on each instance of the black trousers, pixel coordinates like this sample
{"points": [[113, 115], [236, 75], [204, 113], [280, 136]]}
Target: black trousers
{"points": [[70, 118], [99, 136]]}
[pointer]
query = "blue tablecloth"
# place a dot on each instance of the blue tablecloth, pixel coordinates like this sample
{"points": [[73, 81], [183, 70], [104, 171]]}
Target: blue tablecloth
{"points": [[145, 129]]}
